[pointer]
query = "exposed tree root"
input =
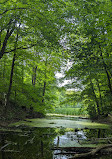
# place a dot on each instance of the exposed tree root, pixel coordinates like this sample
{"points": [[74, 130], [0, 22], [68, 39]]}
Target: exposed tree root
{"points": [[92, 153]]}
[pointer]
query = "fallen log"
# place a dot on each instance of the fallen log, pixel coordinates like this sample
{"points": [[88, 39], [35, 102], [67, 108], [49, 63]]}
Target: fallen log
{"points": [[73, 148], [65, 153], [110, 142], [91, 153], [107, 138], [12, 151], [4, 146]]}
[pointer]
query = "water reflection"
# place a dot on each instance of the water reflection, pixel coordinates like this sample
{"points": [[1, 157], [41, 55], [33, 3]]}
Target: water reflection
{"points": [[38, 143], [27, 145], [80, 138]]}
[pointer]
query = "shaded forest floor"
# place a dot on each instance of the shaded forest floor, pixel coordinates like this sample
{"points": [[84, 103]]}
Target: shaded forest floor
{"points": [[16, 113]]}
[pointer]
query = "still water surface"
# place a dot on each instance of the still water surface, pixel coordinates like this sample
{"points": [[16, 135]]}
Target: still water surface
{"points": [[44, 142]]}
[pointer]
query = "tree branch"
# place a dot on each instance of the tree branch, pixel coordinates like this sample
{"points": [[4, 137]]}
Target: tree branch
{"points": [[9, 23], [10, 10], [8, 34], [22, 47]]}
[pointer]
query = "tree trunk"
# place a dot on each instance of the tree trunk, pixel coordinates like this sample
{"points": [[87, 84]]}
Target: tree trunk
{"points": [[12, 72], [44, 88], [11, 28], [99, 90], [96, 100], [11, 77], [22, 75], [34, 76], [107, 73], [0, 40], [8, 34]]}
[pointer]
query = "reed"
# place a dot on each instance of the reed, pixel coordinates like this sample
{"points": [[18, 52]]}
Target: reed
{"points": [[70, 111]]}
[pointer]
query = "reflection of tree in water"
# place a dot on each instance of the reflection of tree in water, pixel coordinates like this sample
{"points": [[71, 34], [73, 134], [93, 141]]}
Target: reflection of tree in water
{"points": [[97, 133], [36, 143], [28, 144]]}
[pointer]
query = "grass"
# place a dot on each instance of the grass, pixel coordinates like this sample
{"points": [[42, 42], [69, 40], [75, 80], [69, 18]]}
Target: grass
{"points": [[70, 111]]}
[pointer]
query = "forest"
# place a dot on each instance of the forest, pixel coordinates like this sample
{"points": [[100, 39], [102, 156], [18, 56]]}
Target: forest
{"points": [[39, 39]]}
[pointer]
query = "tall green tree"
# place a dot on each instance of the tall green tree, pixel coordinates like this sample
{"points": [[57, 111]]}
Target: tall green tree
{"points": [[27, 30], [91, 54]]}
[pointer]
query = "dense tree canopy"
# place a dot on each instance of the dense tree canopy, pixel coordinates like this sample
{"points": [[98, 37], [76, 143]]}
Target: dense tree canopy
{"points": [[91, 53], [30, 51], [38, 37]]}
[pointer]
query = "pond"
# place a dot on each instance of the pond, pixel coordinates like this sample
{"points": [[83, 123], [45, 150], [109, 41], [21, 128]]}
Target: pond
{"points": [[51, 138]]}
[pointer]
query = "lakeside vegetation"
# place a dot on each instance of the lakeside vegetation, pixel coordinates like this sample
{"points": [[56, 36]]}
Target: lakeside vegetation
{"points": [[70, 111]]}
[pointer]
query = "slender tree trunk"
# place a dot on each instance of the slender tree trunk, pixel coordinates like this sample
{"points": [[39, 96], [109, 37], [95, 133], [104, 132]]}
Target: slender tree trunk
{"points": [[96, 100], [34, 70], [8, 34], [99, 133], [11, 28], [44, 88], [99, 90], [22, 74], [108, 76], [107, 73], [15, 88], [4, 69], [34, 76], [0, 39], [12, 72], [11, 78]]}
